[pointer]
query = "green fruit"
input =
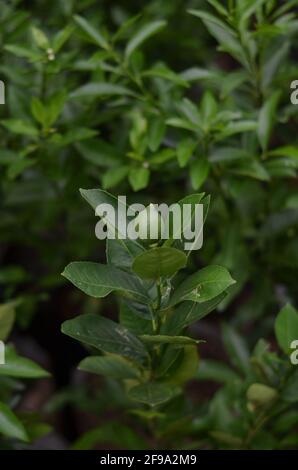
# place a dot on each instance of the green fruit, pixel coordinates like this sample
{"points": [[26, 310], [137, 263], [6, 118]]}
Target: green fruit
{"points": [[259, 395]]}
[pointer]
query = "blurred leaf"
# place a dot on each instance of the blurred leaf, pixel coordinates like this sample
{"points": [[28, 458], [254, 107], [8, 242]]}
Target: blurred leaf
{"points": [[236, 348], [93, 34], [266, 119], [111, 433], [20, 127], [199, 170], [162, 71], [216, 371], [114, 176], [10, 425], [17, 366], [185, 151], [139, 178], [286, 328], [144, 33], [40, 38], [7, 318], [156, 133], [98, 89]]}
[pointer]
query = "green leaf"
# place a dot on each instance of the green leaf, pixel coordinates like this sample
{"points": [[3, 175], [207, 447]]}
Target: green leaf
{"points": [[10, 425], [162, 71], [152, 394], [252, 168], [61, 37], [237, 127], [21, 51], [7, 318], [99, 152], [139, 178], [286, 328], [144, 33], [289, 392], [208, 108], [185, 368], [236, 348], [105, 335], [111, 366], [20, 127], [204, 285], [125, 26], [17, 366], [93, 34], [95, 197], [187, 313], [111, 433], [266, 119], [38, 110], [98, 89], [136, 317], [286, 151], [199, 170], [98, 280], [40, 38], [197, 73], [162, 156], [18, 166], [157, 262], [185, 151], [228, 154], [122, 255], [165, 339], [219, 7], [114, 176], [216, 371], [54, 107], [223, 33], [156, 132]]}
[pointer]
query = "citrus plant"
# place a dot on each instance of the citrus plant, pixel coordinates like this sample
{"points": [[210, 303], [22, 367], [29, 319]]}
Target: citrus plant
{"points": [[154, 100], [257, 406], [147, 348], [16, 428]]}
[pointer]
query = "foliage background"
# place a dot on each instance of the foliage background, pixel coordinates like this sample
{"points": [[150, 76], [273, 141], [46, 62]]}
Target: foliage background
{"points": [[199, 106]]}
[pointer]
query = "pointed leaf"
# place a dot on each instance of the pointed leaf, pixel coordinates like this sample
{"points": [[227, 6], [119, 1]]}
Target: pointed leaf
{"points": [[144, 33], [105, 335], [204, 285], [98, 280], [111, 366], [157, 262], [286, 328], [10, 425], [152, 394]]}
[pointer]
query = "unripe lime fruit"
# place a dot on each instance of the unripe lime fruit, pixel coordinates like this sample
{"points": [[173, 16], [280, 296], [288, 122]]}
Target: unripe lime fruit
{"points": [[259, 395]]}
